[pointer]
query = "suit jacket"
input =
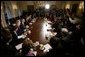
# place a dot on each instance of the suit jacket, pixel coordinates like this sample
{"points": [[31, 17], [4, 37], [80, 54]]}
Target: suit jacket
{"points": [[20, 29], [14, 38]]}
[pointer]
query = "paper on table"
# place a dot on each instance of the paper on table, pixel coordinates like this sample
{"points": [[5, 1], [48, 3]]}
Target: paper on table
{"points": [[36, 43], [47, 48], [35, 53], [19, 46], [21, 36], [27, 26], [30, 23]]}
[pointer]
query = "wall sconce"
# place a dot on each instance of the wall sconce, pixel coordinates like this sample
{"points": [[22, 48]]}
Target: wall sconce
{"points": [[68, 6], [14, 7], [1, 7], [47, 6], [81, 6]]}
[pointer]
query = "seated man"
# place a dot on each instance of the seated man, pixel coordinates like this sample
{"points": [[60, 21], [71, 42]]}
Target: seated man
{"points": [[65, 37], [15, 36], [57, 49], [6, 47], [28, 48]]}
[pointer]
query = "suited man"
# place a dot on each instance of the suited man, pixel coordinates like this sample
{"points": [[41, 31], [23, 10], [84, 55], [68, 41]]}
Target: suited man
{"points": [[6, 47], [14, 32], [14, 35], [21, 27]]}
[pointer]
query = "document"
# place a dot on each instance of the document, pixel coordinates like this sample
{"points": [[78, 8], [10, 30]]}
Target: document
{"points": [[19, 46]]}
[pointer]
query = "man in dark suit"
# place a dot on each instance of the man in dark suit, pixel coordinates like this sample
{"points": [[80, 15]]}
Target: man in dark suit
{"points": [[6, 48]]}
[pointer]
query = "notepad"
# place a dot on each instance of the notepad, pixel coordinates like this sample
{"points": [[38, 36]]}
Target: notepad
{"points": [[21, 36], [19, 46], [36, 43], [47, 47]]}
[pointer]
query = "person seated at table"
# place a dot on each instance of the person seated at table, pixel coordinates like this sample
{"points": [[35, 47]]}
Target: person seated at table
{"points": [[65, 40], [54, 42], [15, 35], [27, 48], [47, 15], [76, 39], [34, 15], [23, 21], [64, 32], [73, 40], [57, 28], [21, 27], [6, 32], [51, 18], [57, 49], [28, 19], [13, 23], [31, 53], [6, 48]]}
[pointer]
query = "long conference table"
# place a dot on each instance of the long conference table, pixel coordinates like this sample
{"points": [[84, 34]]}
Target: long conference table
{"points": [[39, 33]]}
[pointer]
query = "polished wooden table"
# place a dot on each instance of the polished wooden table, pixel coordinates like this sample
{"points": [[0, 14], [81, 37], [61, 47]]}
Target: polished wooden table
{"points": [[39, 33]]}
